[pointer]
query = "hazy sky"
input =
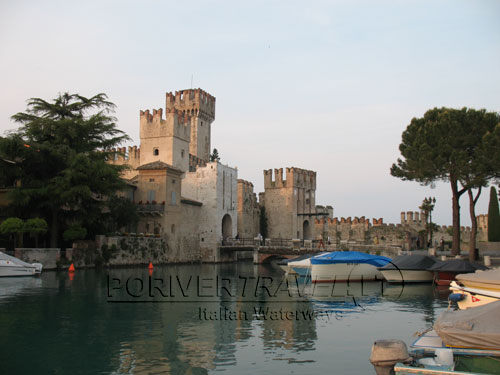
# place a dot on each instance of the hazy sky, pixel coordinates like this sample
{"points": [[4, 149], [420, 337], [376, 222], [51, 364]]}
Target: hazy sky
{"points": [[321, 85]]}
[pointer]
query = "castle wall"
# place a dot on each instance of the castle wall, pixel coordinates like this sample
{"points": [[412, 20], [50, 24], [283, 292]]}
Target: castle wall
{"points": [[215, 186], [248, 210], [408, 235]]}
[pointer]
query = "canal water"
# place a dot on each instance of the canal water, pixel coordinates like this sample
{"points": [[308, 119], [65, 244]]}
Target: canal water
{"points": [[202, 319]]}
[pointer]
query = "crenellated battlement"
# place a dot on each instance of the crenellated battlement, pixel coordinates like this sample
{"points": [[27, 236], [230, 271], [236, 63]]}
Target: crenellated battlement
{"points": [[195, 162], [246, 185], [413, 218], [122, 155], [482, 222], [176, 124], [195, 102], [295, 177]]}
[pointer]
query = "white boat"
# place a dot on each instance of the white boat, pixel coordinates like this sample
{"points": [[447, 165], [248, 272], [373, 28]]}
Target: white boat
{"points": [[346, 266], [489, 280], [302, 267], [286, 264], [467, 297], [409, 269], [11, 266]]}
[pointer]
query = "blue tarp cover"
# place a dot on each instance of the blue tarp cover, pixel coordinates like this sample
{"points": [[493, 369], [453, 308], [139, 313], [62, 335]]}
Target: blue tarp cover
{"points": [[350, 257]]}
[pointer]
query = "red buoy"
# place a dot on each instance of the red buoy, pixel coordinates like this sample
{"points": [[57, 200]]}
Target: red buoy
{"points": [[71, 268], [150, 266]]}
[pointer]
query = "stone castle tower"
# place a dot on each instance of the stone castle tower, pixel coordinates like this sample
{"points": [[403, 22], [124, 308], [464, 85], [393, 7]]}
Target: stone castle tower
{"points": [[165, 140], [200, 106], [181, 139], [290, 203]]}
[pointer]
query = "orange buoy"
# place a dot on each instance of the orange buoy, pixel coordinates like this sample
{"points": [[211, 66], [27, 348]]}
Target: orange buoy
{"points": [[71, 268], [150, 266]]}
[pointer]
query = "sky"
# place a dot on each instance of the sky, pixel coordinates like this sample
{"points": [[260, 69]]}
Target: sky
{"points": [[322, 85]]}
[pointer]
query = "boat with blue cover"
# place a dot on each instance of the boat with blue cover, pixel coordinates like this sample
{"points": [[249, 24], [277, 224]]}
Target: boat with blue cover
{"points": [[347, 266]]}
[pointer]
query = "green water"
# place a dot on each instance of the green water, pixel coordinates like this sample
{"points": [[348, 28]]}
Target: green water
{"points": [[201, 319]]}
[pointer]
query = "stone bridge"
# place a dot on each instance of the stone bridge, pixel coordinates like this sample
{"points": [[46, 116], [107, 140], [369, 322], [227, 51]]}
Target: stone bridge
{"points": [[265, 251]]}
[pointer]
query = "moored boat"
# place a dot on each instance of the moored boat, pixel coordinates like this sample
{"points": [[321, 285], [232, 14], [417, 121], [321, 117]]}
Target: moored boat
{"points": [[408, 269], [476, 289], [11, 266], [462, 342], [446, 271], [299, 265], [346, 266]]}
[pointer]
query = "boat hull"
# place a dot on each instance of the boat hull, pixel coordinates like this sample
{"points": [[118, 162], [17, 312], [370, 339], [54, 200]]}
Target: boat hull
{"points": [[323, 273], [408, 276], [301, 270], [8, 271], [473, 297]]}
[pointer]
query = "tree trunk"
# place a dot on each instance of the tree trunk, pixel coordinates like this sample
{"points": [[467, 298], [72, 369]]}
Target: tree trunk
{"points": [[54, 229], [473, 232], [455, 247]]}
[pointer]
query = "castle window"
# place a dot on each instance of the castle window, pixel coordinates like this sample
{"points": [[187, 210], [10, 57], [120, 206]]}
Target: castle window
{"points": [[151, 195], [182, 153], [156, 152], [151, 180], [172, 229], [173, 181], [173, 198]]}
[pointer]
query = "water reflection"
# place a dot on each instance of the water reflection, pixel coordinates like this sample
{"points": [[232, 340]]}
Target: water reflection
{"points": [[77, 326]]}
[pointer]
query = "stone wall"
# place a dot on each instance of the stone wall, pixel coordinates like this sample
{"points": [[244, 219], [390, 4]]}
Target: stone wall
{"points": [[248, 210], [49, 257], [408, 235], [127, 251]]}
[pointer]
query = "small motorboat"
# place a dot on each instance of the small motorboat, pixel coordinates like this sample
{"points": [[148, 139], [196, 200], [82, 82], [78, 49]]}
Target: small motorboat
{"points": [[288, 265], [11, 266], [408, 269], [301, 265], [446, 271], [476, 289], [346, 266], [462, 342]]}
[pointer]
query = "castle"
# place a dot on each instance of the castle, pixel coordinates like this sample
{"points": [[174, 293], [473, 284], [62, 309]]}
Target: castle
{"points": [[180, 194], [195, 204]]}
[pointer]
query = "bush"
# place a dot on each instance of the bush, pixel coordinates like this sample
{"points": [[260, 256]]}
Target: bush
{"points": [[493, 217], [74, 233]]}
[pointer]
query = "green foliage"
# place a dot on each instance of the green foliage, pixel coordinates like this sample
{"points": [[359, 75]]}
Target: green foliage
{"points": [[215, 155], [108, 252], [11, 226], [493, 217], [36, 226], [60, 153], [122, 213], [74, 233], [453, 145], [263, 222], [427, 207]]}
